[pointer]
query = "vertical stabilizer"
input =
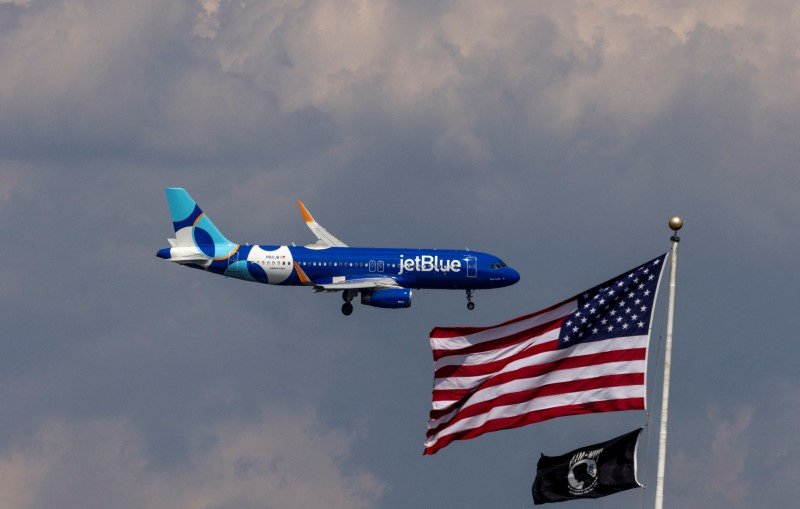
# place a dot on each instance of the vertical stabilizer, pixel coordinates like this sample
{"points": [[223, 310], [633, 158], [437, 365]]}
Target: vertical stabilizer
{"points": [[193, 228]]}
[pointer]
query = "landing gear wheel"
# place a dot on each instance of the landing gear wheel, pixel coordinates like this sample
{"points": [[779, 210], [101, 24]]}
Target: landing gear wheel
{"points": [[347, 309], [470, 304]]}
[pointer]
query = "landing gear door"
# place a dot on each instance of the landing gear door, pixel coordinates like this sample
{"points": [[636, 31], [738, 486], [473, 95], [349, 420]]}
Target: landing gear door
{"points": [[472, 266]]}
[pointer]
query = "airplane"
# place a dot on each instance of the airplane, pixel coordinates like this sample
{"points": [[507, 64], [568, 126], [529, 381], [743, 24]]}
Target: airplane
{"points": [[384, 277]]}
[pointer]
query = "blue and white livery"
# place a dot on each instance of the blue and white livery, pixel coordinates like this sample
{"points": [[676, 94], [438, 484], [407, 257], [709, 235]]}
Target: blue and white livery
{"points": [[383, 277]]}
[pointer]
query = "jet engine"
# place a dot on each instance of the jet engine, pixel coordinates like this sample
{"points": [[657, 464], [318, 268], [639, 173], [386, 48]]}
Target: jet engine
{"points": [[391, 298]]}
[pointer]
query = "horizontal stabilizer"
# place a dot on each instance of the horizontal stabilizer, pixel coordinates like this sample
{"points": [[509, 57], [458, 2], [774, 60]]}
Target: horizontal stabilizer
{"points": [[182, 254]]}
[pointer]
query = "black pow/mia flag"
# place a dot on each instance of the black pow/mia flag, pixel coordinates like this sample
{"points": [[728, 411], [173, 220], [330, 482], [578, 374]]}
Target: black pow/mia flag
{"points": [[589, 472]]}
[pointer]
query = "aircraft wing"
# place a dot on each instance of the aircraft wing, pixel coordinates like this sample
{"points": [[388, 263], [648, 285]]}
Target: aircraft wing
{"points": [[339, 283], [357, 284], [324, 238]]}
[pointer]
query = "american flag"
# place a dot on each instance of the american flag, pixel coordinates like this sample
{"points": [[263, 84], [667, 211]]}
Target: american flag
{"points": [[586, 354]]}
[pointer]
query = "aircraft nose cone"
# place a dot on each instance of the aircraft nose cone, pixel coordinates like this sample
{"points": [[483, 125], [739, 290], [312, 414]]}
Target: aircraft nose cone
{"points": [[513, 276]]}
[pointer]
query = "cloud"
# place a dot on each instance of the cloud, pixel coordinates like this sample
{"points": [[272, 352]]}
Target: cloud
{"points": [[10, 180], [699, 99], [207, 23], [739, 456], [281, 461], [729, 454], [108, 71]]}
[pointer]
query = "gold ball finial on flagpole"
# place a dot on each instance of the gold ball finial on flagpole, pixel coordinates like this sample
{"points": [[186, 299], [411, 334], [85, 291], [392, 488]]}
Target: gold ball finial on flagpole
{"points": [[675, 224]]}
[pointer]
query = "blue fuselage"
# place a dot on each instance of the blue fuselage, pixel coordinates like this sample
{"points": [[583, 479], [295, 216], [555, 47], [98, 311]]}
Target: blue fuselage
{"points": [[409, 268]]}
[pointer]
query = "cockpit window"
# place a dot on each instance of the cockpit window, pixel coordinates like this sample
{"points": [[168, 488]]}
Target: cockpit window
{"points": [[498, 265]]}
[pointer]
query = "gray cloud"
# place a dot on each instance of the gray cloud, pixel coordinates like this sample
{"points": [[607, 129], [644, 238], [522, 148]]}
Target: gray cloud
{"points": [[280, 461], [731, 445]]}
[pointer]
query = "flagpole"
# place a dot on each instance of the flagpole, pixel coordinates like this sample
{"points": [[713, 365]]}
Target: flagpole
{"points": [[675, 223]]}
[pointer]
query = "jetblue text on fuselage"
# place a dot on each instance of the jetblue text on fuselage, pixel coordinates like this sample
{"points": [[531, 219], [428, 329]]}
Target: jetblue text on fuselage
{"points": [[428, 263]]}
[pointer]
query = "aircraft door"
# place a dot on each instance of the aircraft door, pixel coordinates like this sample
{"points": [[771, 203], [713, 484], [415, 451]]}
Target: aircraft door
{"points": [[472, 266], [232, 262], [372, 265]]}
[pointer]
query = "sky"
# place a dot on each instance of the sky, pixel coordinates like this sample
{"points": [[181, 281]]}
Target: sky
{"points": [[558, 135]]}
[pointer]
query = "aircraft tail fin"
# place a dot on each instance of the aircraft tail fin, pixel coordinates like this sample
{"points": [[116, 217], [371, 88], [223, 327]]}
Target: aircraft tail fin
{"points": [[192, 226]]}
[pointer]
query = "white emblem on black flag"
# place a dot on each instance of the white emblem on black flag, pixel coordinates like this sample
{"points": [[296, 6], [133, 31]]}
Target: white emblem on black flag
{"points": [[592, 471]]}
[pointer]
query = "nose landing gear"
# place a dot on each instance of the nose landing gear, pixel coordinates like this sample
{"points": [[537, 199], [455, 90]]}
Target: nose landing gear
{"points": [[470, 304]]}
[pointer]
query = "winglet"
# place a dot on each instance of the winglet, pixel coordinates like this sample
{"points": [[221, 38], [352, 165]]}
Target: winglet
{"points": [[304, 211], [324, 237]]}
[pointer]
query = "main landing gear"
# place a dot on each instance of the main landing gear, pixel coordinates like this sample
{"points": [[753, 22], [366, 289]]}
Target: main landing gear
{"points": [[347, 307], [470, 304]]}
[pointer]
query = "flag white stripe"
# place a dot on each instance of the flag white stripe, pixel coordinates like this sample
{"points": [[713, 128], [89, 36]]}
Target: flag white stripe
{"points": [[478, 358], [459, 342], [524, 384], [608, 345], [573, 398]]}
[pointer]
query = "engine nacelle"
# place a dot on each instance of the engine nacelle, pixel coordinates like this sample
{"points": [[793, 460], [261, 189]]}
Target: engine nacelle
{"points": [[390, 298]]}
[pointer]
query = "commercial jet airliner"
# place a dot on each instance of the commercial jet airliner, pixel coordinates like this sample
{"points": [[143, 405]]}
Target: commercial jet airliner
{"points": [[384, 277]]}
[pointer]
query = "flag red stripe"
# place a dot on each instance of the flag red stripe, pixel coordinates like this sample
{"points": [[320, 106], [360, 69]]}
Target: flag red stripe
{"points": [[501, 342], [494, 366], [578, 361], [536, 392], [539, 416]]}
